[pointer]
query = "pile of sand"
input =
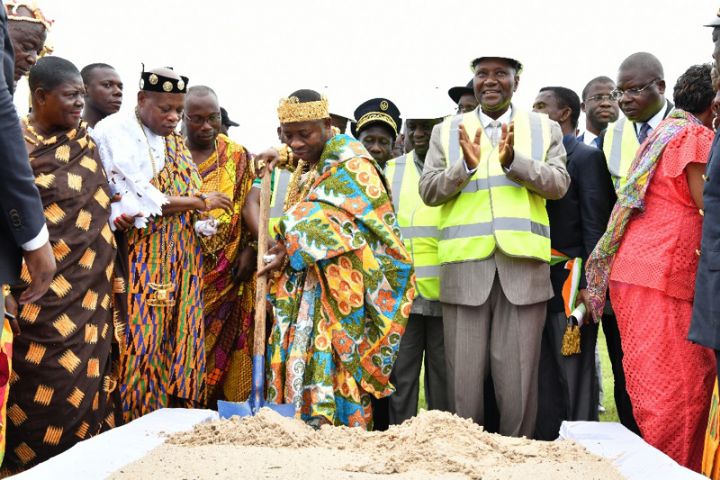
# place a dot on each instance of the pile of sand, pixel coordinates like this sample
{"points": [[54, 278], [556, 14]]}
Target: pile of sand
{"points": [[432, 445]]}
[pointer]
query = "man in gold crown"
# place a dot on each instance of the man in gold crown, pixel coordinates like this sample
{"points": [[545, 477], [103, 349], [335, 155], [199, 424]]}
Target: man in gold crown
{"points": [[28, 28], [345, 282], [162, 351]]}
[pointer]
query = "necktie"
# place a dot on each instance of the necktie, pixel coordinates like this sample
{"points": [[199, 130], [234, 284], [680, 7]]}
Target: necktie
{"points": [[495, 132], [644, 132]]}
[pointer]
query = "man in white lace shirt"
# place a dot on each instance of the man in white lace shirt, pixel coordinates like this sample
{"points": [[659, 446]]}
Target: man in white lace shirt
{"points": [[162, 357]]}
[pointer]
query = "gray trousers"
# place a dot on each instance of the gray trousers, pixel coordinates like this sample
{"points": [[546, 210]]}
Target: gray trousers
{"points": [[423, 334], [568, 387], [498, 338]]}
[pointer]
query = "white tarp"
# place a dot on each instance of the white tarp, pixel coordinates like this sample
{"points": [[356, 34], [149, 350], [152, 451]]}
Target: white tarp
{"points": [[98, 457], [630, 454]]}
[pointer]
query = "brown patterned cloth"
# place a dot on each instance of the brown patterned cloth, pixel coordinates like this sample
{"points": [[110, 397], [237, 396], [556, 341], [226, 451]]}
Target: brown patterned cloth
{"points": [[60, 384]]}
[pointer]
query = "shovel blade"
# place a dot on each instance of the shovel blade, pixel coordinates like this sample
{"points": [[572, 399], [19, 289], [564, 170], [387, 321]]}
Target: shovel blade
{"points": [[284, 409], [231, 409]]}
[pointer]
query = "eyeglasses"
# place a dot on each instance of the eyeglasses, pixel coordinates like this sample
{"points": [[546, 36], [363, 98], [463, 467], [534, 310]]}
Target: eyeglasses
{"points": [[198, 120], [602, 98], [618, 93]]}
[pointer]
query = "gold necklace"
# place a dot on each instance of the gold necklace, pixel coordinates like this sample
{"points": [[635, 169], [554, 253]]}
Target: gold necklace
{"points": [[38, 138], [160, 297]]}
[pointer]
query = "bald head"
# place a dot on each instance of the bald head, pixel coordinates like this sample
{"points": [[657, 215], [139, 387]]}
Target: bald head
{"points": [[202, 119], [644, 61], [641, 79]]}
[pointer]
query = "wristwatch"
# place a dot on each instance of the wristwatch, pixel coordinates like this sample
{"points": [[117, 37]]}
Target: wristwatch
{"points": [[204, 198]]}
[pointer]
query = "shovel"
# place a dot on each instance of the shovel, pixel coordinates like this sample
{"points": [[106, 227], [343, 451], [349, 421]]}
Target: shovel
{"points": [[256, 401]]}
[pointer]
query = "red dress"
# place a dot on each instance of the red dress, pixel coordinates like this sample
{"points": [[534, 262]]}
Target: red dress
{"points": [[652, 283]]}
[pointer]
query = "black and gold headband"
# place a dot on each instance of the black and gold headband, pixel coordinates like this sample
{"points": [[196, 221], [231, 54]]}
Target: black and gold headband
{"points": [[154, 82], [377, 117]]}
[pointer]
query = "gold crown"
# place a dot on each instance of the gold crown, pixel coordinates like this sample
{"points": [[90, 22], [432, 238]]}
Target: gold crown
{"points": [[291, 110], [13, 6]]}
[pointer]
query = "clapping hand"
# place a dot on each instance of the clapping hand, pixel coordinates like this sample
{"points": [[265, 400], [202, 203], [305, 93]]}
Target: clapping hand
{"points": [[470, 149], [507, 144]]}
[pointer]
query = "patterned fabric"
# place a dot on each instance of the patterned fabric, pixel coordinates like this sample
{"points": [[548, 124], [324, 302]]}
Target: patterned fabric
{"points": [[229, 305], [60, 382], [344, 299], [163, 360], [6, 343], [631, 199], [711, 451]]}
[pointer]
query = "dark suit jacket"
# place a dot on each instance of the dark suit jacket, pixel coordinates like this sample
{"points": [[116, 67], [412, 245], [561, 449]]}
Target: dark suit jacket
{"points": [[21, 211], [578, 220], [705, 324]]}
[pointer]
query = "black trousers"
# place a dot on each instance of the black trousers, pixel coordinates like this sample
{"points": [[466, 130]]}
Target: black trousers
{"points": [[567, 386], [614, 346]]}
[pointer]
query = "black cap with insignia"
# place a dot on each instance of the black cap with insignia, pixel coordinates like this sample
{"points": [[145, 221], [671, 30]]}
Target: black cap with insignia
{"points": [[377, 111]]}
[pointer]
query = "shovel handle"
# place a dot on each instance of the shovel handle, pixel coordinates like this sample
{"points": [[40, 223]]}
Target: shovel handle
{"points": [[261, 282]]}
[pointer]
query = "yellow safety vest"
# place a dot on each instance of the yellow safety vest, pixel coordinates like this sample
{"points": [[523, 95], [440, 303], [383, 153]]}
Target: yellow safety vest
{"points": [[279, 194], [492, 210], [620, 146], [418, 223]]}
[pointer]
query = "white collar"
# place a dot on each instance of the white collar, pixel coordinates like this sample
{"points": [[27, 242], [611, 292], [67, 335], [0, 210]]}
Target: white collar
{"points": [[655, 120], [485, 120]]}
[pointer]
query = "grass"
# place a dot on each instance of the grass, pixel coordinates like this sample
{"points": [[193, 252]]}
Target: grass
{"points": [[610, 414]]}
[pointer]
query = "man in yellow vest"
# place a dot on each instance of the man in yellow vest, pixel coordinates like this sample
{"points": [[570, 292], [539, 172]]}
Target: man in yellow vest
{"points": [[640, 93], [418, 223], [491, 170]]}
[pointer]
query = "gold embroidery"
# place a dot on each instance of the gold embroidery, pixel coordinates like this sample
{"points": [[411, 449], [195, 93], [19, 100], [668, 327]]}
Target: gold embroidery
{"points": [[64, 325], [82, 430], [104, 332], [45, 180], [90, 301], [25, 273], [105, 302], [106, 234], [74, 182], [69, 361], [35, 353], [91, 333], [43, 395], [62, 153], [61, 250], [88, 258], [54, 213], [24, 453], [83, 220], [102, 198], [88, 162], [16, 415], [52, 435], [30, 312], [76, 397], [60, 286], [82, 141], [93, 368]]}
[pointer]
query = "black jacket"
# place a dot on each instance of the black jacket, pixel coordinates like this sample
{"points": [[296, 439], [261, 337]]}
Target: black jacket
{"points": [[578, 220], [21, 211], [705, 324]]}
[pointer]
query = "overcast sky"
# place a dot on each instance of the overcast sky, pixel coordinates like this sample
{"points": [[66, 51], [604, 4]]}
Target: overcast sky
{"points": [[254, 52]]}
